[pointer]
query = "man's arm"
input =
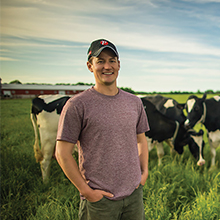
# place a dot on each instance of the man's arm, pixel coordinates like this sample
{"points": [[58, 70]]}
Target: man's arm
{"points": [[143, 156], [70, 168]]}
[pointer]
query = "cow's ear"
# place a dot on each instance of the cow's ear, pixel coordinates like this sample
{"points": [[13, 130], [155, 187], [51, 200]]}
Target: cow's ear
{"points": [[204, 97], [181, 106]]}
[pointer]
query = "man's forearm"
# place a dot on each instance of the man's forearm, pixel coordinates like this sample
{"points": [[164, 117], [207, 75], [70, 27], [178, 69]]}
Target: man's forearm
{"points": [[143, 156], [69, 166]]}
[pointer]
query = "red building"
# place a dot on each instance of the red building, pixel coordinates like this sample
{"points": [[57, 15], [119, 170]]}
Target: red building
{"points": [[31, 91]]}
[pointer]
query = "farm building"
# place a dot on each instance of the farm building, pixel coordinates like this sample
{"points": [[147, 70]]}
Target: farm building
{"points": [[31, 91]]}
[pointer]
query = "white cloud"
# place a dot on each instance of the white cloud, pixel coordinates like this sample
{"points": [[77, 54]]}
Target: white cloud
{"points": [[7, 59], [36, 23], [47, 34]]}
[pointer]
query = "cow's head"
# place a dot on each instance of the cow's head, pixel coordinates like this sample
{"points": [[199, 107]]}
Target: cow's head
{"points": [[195, 110]]}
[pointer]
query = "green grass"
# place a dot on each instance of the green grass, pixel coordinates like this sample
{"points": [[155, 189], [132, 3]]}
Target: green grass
{"points": [[182, 98], [177, 190]]}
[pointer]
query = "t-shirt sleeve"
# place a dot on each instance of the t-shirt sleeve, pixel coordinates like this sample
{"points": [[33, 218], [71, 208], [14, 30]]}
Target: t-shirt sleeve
{"points": [[142, 125], [69, 126]]}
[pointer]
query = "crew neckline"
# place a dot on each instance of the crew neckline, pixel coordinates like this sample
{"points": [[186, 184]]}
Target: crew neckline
{"points": [[103, 95]]}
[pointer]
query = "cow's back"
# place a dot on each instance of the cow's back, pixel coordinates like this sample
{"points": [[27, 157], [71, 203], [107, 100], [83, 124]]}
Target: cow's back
{"points": [[168, 107]]}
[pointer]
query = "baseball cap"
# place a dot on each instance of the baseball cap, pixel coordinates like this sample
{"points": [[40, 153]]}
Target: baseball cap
{"points": [[97, 46]]}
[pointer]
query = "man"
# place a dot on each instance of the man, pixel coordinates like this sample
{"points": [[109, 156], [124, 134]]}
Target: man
{"points": [[110, 126]]}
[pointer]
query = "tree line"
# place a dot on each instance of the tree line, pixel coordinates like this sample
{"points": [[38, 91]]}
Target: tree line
{"points": [[130, 90]]}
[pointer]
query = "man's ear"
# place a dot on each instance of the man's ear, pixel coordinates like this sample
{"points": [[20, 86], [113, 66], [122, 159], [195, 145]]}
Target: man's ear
{"points": [[119, 65], [89, 65]]}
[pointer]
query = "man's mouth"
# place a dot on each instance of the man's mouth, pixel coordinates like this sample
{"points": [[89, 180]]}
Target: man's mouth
{"points": [[107, 73]]}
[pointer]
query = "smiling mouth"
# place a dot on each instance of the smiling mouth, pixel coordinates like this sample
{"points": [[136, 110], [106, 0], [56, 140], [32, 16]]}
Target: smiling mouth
{"points": [[107, 73]]}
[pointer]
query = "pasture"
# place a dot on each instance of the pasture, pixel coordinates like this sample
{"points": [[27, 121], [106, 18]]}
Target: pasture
{"points": [[178, 189]]}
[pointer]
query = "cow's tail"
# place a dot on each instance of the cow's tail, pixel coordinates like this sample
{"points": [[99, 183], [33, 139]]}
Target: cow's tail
{"points": [[37, 152]]}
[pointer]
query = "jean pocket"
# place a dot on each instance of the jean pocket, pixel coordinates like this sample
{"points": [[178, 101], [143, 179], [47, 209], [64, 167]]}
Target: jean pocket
{"points": [[99, 201]]}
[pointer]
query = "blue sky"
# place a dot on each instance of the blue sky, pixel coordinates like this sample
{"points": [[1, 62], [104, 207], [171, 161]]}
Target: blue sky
{"points": [[164, 45]]}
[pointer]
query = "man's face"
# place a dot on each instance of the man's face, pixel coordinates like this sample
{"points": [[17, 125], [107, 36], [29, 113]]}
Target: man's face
{"points": [[105, 67]]}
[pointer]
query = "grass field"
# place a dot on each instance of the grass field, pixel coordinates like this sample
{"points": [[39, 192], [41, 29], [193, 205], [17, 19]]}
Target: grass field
{"points": [[176, 190]]}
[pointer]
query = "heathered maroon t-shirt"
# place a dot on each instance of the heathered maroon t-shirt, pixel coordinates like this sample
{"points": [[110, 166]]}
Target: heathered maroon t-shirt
{"points": [[107, 128]]}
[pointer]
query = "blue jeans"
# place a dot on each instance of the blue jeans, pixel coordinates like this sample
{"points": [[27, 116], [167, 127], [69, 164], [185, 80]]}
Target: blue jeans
{"points": [[130, 208]]}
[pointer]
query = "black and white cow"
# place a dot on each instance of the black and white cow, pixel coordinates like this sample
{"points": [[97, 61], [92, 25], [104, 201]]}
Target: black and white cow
{"points": [[207, 112], [163, 128], [169, 107], [45, 114], [173, 110]]}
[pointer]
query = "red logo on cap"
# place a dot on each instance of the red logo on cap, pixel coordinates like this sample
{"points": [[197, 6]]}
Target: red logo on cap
{"points": [[103, 42]]}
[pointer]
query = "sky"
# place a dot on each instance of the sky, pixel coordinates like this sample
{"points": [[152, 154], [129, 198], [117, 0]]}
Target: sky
{"points": [[164, 45]]}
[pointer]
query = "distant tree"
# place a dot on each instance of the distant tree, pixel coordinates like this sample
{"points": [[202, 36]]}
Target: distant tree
{"points": [[15, 82], [62, 84], [128, 90], [82, 84], [209, 91]]}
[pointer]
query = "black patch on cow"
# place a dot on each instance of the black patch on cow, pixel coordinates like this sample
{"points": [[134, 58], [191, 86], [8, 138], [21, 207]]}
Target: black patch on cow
{"points": [[38, 105], [174, 112], [161, 127]]}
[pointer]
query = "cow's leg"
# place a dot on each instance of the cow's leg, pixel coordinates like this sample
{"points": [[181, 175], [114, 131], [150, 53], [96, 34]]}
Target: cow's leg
{"points": [[159, 146], [160, 152], [47, 150], [45, 169], [149, 144], [169, 143], [214, 143], [213, 154], [201, 161]]}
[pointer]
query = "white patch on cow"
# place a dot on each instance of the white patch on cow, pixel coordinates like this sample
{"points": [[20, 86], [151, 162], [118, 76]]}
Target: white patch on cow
{"points": [[186, 122], [50, 98], [217, 98], [214, 136], [169, 103], [190, 103], [214, 142], [199, 140]]}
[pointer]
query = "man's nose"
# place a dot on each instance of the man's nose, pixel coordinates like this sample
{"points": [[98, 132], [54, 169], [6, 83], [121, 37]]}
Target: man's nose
{"points": [[107, 65]]}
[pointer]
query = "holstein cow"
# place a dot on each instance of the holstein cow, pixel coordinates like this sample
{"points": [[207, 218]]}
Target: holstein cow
{"points": [[169, 107], [163, 128], [173, 110], [45, 115], [207, 112]]}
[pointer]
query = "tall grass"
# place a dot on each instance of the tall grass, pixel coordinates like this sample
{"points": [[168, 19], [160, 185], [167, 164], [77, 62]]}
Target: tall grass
{"points": [[176, 190]]}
